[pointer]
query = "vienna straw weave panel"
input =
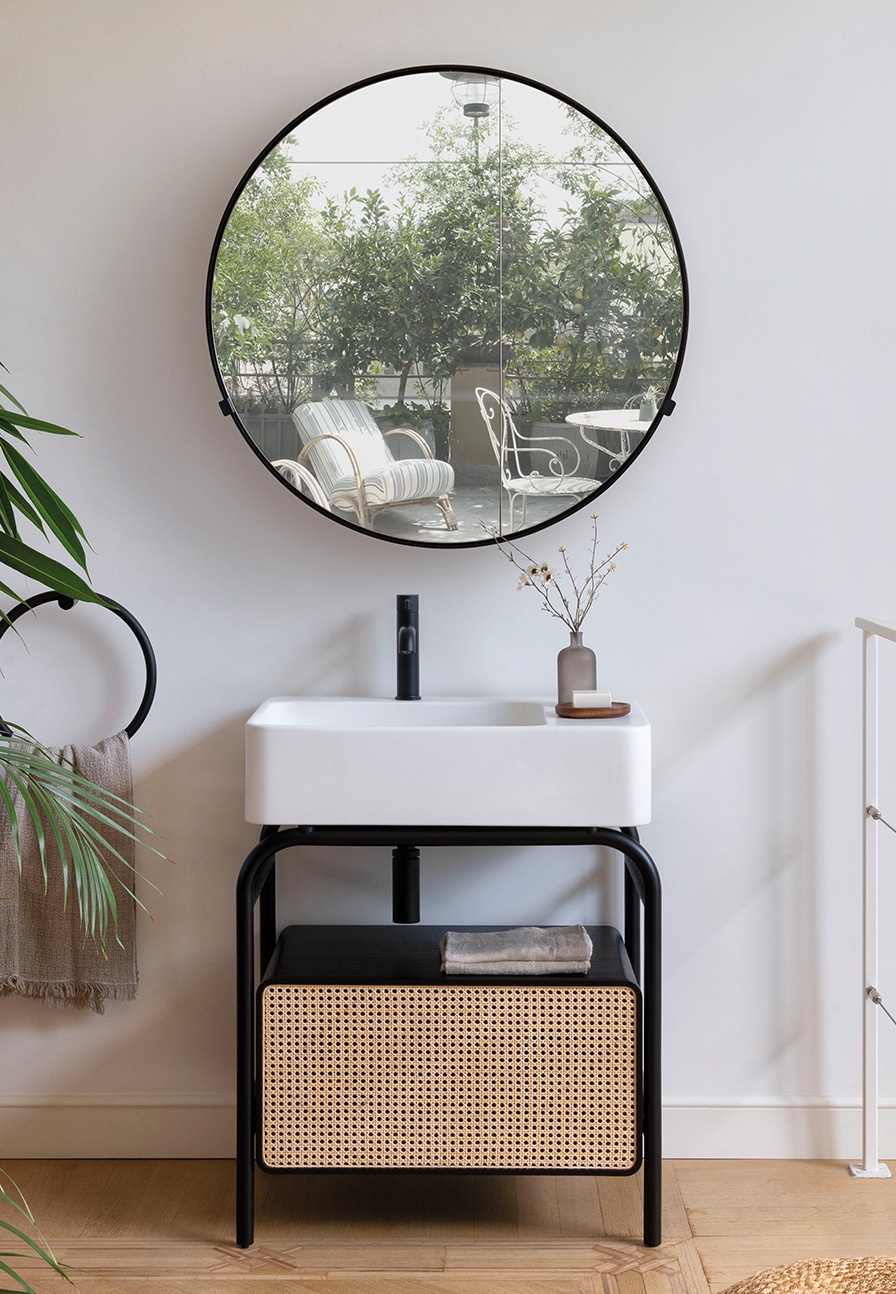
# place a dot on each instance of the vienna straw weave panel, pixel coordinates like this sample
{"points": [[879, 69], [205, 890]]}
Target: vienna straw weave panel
{"points": [[499, 1076]]}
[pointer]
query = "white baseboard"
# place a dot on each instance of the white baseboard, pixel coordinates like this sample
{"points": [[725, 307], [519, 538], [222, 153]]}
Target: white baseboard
{"points": [[116, 1127], [202, 1127], [814, 1129]]}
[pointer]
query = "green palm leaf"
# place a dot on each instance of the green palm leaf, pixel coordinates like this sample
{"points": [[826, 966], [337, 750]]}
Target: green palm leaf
{"points": [[8, 805], [78, 810], [32, 1244], [46, 570], [83, 821], [73, 812], [10, 624], [19, 501], [7, 513], [66, 782], [42, 1250], [36, 424], [9, 395], [40, 758], [22, 1288], [58, 516], [21, 785], [96, 897], [43, 804], [63, 806], [77, 792], [9, 430]]}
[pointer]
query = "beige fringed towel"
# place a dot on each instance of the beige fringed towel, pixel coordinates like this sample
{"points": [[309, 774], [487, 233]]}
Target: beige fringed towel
{"points": [[44, 951], [527, 950]]}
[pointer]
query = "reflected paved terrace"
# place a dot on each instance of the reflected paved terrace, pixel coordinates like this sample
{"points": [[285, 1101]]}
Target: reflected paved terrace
{"points": [[479, 504]]}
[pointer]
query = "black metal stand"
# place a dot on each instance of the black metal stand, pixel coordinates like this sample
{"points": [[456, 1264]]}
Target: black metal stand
{"points": [[257, 885], [405, 885]]}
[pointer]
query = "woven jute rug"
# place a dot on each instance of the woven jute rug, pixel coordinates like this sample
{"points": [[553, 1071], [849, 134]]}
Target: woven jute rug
{"points": [[838, 1276]]}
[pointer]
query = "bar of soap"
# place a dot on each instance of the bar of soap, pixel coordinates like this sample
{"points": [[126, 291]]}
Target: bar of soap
{"points": [[592, 700]]}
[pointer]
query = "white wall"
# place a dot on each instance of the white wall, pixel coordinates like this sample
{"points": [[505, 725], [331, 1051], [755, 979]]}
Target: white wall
{"points": [[760, 523]]}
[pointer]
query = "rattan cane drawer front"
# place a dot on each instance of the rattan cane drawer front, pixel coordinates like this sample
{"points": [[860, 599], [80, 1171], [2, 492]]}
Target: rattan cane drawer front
{"points": [[449, 1076]]}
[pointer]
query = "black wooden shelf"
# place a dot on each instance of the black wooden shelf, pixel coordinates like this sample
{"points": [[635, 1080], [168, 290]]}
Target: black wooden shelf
{"points": [[410, 955]]}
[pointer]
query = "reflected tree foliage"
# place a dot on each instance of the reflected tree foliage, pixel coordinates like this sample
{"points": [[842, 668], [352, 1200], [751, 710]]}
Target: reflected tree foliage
{"points": [[558, 261], [273, 264]]}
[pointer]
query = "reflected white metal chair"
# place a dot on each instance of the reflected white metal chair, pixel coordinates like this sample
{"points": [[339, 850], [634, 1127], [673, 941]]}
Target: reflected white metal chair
{"points": [[512, 448], [355, 468]]}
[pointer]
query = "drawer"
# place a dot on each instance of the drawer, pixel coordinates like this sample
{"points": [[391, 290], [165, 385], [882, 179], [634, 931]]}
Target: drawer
{"points": [[389, 1064]]}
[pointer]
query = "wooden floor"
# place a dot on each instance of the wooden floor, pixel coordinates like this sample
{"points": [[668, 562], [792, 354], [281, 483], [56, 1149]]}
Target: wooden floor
{"points": [[129, 1226]]}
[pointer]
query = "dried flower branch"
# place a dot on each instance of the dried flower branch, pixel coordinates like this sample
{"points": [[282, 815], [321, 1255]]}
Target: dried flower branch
{"points": [[572, 603]]}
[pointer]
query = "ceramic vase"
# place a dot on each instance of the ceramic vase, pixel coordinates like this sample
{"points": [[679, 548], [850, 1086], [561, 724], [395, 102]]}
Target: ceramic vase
{"points": [[647, 411], [576, 670]]}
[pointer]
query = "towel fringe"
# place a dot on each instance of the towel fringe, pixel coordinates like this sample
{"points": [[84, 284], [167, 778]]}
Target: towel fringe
{"points": [[59, 994]]}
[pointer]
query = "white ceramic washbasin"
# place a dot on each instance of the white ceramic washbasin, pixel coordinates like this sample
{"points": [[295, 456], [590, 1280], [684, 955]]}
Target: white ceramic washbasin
{"points": [[453, 761]]}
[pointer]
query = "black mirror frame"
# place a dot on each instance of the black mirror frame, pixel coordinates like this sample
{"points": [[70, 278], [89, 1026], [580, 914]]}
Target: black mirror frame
{"points": [[666, 408]]}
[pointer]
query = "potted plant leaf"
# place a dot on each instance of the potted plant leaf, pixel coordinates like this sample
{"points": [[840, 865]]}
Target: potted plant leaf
{"points": [[71, 808], [12, 1197], [80, 820]]}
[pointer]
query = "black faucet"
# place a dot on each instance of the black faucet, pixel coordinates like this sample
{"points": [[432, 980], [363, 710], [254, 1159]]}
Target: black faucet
{"points": [[407, 619]]}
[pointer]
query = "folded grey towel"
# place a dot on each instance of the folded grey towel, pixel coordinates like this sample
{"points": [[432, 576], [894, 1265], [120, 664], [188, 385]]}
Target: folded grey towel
{"points": [[527, 950], [516, 968]]}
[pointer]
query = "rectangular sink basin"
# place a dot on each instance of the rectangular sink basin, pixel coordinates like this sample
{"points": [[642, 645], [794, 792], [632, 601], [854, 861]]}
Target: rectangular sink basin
{"points": [[452, 761]]}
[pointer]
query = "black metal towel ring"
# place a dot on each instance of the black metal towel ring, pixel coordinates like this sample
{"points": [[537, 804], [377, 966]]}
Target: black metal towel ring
{"points": [[117, 609]]}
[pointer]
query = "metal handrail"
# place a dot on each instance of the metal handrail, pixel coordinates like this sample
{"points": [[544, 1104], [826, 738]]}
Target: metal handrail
{"points": [[872, 632], [879, 630]]}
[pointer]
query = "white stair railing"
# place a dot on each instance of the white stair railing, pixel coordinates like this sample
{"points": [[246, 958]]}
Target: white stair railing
{"points": [[872, 819]]}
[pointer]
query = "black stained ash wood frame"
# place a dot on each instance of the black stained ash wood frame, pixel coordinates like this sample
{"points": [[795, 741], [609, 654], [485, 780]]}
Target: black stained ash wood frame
{"points": [[229, 410], [257, 886]]}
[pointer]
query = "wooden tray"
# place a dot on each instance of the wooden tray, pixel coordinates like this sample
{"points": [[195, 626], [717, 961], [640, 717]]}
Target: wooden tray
{"points": [[614, 711]]}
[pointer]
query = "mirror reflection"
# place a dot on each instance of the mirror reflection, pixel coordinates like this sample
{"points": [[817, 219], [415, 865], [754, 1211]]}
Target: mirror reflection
{"points": [[447, 305]]}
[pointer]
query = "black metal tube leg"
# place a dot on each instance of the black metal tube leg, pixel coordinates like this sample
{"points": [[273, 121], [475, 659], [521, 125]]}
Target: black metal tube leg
{"points": [[642, 882], [267, 917], [245, 1027], [653, 1096], [405, 885], [632, 931], [267, 907], [255, 874]]}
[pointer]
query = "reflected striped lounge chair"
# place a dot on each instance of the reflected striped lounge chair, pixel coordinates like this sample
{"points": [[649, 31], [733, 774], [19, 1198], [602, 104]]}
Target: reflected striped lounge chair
{"points": [[302, 478], [355, 467]]}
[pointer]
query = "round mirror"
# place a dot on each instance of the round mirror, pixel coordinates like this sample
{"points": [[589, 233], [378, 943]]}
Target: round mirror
{"points": [[447, 305]]}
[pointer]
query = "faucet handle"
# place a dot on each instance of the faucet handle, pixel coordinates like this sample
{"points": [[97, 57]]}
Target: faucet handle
{"points": [[407, 615]]}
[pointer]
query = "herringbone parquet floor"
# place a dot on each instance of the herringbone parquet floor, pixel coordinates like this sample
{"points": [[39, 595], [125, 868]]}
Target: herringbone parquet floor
{"points": [[165, 1227]]}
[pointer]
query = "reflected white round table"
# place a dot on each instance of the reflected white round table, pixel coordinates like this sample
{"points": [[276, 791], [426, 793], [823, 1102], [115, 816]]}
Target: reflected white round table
{"points": [[624, 421], [610, 420]]}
